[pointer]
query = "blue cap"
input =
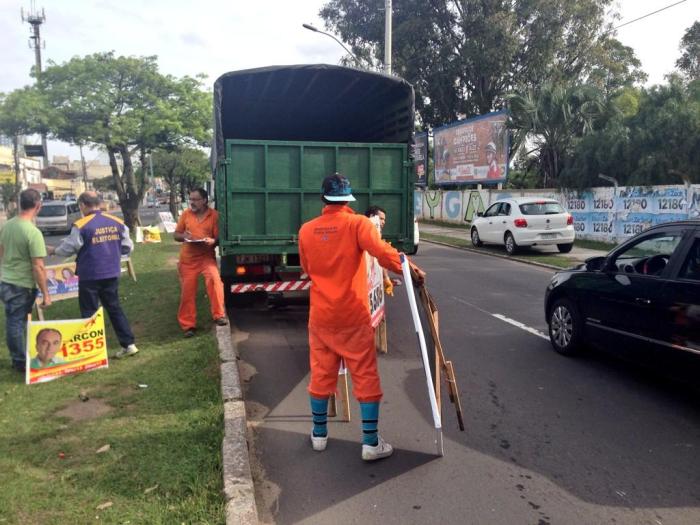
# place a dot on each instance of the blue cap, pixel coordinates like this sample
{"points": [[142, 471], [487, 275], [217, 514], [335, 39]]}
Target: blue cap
{"points": [[336, 188]]}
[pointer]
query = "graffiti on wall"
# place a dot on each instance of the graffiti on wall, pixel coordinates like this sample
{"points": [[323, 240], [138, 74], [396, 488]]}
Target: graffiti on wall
{"points": [[433, 200], [600, 213], [475, 204]]}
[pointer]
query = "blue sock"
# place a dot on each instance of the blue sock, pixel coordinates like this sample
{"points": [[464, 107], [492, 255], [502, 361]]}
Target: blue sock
{"points": [[319, 411], [370, 418]]}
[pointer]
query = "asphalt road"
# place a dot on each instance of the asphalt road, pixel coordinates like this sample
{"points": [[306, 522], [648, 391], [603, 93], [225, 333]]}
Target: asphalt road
{"points": [[548, 439]]}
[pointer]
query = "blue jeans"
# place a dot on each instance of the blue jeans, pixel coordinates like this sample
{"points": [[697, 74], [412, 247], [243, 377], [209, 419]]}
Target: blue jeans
{"points": [[105, 291], [18, 304]]}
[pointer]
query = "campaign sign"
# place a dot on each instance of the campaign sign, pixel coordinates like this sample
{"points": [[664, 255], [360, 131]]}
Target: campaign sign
{"points": [[420, 158], [375, 283], [59, 348], [166, 218], [61, 281], [472, 151]]}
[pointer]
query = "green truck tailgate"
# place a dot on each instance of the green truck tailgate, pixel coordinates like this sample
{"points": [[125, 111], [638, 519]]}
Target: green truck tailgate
{"points": [[266, 190]]}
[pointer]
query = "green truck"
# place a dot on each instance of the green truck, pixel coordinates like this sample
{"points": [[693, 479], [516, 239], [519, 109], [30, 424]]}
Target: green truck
{"points": [[278, 132]]}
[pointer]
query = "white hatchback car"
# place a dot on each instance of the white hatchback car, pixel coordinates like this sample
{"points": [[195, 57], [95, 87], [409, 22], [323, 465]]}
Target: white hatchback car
{"points": [[524, 221]]}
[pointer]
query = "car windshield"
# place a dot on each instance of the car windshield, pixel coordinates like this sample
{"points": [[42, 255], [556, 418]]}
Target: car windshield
{"points": [[52, 211], [658, 245], [541, 208]]}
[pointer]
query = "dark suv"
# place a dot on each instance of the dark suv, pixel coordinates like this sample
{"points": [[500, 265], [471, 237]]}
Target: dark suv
{"points": [[645, 292]]}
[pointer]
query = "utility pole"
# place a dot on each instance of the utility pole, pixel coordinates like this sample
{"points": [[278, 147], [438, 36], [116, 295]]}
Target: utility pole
{"points": [[84, 168], [387, 36], [35, 19]]}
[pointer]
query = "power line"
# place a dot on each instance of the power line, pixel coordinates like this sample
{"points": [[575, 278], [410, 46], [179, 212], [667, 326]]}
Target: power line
{"points": [[649, 14]]}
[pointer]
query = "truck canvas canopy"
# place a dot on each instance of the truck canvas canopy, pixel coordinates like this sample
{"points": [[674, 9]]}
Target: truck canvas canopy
{"points": [[315, 103]]}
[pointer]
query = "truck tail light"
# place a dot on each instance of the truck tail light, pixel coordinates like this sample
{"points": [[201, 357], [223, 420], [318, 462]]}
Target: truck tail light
{"points": [[520, 223], [253, 269], [569, 220]]}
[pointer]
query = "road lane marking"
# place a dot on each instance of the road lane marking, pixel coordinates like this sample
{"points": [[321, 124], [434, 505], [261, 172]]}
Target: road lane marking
{"points": [[471, 304], [505, 319], [520, 325]]}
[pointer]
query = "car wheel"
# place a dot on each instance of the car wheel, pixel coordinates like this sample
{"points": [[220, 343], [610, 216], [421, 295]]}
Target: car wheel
{"points": [[565, 327], [565, 248], [476, 240], [511, 245]]}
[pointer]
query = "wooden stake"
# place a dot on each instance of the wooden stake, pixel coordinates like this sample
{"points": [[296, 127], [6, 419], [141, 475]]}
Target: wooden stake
{"points": [[130, 268], [441, 363], [380, 338], [344, 394]]}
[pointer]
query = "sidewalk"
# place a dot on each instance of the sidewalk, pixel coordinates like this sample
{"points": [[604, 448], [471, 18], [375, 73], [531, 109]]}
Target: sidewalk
{"points": [[546, 255]]}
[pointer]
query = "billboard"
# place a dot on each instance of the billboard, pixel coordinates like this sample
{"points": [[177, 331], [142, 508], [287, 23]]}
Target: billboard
{"points": [[420, 158], [472, 151]]}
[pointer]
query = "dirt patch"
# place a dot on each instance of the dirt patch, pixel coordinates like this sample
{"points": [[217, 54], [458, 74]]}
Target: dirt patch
{"points": [[255, 412], [246, 371], [84, 410], [171, 262]]}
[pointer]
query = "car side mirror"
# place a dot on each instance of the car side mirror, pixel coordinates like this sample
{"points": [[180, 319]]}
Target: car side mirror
{"points": [[597, 264], [479, 213]]}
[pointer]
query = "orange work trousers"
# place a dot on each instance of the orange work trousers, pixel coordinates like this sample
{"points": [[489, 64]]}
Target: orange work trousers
{"points": [[189, 275], [356, 346]]}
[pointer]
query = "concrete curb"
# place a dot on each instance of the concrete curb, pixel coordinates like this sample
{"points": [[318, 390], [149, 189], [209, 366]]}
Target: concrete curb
{"points": [[491, 254], [239, 490]]}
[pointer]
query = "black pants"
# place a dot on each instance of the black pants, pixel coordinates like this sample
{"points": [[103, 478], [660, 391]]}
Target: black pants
{"points": [[105, 291]]}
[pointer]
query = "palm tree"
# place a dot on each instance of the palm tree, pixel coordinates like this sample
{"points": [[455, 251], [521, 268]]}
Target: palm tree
{"points": [[546, 123]]}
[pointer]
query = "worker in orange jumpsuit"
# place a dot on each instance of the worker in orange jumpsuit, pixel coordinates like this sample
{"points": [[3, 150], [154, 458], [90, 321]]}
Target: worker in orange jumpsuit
{"points": [[331, 249], [198, 230]]}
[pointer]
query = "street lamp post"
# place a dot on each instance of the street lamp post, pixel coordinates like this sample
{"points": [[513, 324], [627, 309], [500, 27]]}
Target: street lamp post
{"points": [[316, 30]]}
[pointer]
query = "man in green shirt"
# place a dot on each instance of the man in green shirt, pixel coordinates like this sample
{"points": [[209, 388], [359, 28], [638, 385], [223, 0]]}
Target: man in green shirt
{"points": [[22, 252]]}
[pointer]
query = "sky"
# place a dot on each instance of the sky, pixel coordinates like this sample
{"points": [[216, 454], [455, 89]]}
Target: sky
{"points": [[216, 36]]}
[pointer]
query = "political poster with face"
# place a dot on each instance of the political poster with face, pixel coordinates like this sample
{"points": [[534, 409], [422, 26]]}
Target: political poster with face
{"points": [[61, 281], [420, 158], [472, 151], [59, 348]]}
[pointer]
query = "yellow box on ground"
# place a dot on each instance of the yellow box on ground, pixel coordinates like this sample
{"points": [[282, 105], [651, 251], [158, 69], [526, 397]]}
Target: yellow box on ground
{"points": [[59, 348]]}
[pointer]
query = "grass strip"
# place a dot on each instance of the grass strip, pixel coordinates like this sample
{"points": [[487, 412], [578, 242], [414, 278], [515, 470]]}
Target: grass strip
{"points": [[552, 260], [163, 465]]}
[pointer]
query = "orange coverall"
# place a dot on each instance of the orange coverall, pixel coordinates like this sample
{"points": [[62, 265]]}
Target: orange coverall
{"points": [[331, 249], [195, 259]]}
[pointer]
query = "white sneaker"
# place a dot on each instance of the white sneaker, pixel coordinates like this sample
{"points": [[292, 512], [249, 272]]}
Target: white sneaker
{"points": [[124, 352], [318, 443], [381, 450]]}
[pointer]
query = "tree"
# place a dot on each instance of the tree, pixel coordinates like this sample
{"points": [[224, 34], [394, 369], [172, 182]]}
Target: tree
{"points": [[464, 56], [8, 192], [127, 106], [548, 122], [654, 138], [104, 184], [689, 62], [22, 112], [182, 170]]}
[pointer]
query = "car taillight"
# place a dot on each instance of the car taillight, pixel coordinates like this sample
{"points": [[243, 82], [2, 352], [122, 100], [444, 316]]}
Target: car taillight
{"points": [[570, 220], [520, 223]]}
